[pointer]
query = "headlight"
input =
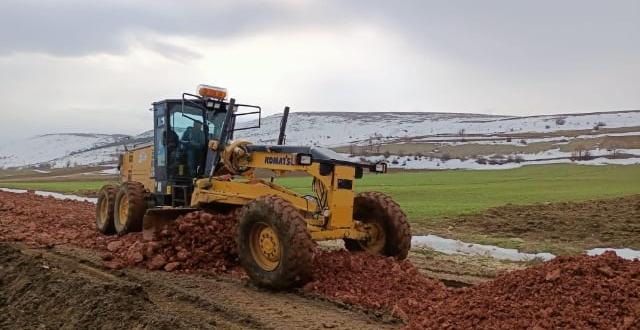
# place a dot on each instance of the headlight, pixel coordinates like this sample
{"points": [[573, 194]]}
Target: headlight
{"points": [[304, 159]]}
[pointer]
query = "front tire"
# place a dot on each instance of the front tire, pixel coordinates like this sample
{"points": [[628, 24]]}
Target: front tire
{"points": [[274, 245], [105, 209], [130, 207], [385, 221]]}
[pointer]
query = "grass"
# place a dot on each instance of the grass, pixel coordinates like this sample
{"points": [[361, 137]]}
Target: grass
{"points": [[57, 186], [431, 196]]}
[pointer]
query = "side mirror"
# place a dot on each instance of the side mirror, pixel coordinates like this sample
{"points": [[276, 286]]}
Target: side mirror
{"points": [[246, 117]]}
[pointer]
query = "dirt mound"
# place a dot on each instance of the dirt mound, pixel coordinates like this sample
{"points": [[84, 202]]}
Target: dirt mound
{"points": [[570, 292], [198, 240], [374, 282], [606, 222], [35, 294], [577, 292], [38, 220]]}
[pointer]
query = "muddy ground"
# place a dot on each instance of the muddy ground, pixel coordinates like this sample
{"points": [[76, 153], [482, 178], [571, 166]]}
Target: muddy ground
{"points": [[564, 227], [70, 288], [58, 272]]}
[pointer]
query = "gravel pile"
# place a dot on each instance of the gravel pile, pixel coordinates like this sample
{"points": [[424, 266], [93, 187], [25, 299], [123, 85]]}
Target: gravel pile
{"points": [[198, 240], [46, 221], [577, 292]]}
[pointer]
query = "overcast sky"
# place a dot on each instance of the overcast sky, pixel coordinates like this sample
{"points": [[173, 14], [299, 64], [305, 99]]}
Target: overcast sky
{"points": [[96, 66]]}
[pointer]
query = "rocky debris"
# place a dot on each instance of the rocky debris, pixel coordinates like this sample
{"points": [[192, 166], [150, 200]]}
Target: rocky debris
{"points": [[197, 240], [601, 292], [45, 221], [114, 246], [581, 297], [374, 282], [171, 266]]}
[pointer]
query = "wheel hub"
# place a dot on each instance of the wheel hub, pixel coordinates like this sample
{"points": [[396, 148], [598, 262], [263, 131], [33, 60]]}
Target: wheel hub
{"points": [[265, 247], [377, 238], [123, 210], [104, 210]]}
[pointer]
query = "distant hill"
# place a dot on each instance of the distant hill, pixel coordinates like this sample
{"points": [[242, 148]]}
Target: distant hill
{"points": [[397, 134], [335, 129], [65, 150]]}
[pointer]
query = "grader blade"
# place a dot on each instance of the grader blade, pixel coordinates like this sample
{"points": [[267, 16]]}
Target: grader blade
{"points": [[156, 219]]}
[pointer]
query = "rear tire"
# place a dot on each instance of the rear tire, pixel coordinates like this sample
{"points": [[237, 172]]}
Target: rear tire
{"points": [[387, 222], [104, 209], [274, 245], [130, 207]]}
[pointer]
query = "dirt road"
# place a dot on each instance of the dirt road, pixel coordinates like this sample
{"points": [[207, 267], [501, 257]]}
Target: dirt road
{"points": [[68, 287], [60, 273]]}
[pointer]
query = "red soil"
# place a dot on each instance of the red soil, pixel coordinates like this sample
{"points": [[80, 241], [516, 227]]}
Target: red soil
{"points": [[568, 292]]}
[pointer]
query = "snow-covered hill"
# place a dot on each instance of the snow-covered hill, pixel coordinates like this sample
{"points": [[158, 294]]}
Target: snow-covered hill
{"points": [[335, 129], [65, 150], [463, 141], [47, 147], [331, 129]]}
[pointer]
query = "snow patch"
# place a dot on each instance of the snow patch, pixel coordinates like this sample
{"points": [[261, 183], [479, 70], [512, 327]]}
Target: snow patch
{"points": [[54, 195], [552, 156], [625, 253], [451, 246], [110, 171]]}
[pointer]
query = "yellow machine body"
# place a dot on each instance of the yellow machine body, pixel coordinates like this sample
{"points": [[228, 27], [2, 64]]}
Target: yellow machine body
{"points": [[334, 222], [136, 165]]}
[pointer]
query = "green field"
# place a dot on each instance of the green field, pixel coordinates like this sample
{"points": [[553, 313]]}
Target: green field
{"points": [[431, 195], [57, 186]]}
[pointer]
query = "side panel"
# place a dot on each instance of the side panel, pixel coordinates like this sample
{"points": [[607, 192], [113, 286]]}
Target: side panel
{"points": [[340, 183], [137, 165], [341, 197]]}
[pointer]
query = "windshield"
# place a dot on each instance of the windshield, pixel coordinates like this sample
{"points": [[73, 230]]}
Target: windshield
{"points": [[215, 119], [183, 120], [186, 141]]}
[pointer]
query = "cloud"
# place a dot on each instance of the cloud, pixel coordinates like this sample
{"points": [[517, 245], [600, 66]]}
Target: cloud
{"points": [[72, 28], [532, 35], [97, 65]]}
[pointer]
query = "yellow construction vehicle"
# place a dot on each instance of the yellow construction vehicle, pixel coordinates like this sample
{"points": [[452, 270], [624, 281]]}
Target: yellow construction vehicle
{"points": [[194, 163]]}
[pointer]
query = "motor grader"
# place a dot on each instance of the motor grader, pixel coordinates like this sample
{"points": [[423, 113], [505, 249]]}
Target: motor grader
{"points": [[194, 163]]}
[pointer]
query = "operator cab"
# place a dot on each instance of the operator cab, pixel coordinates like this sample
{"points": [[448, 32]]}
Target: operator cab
{"points": [[182, 131]]}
